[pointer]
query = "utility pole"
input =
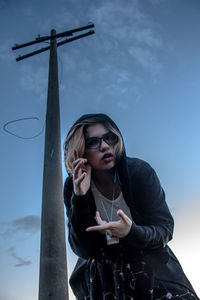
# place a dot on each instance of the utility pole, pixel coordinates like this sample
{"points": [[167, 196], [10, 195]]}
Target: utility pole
{"points": [[53, 281]]}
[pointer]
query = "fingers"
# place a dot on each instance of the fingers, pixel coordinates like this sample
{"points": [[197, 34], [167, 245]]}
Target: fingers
{"points": [[102, 225], [77, 161], [76, 154], [99, 220], [123, 216], [105, 226], [118, 228], [87, 168], [80, 178], [77, 165]]}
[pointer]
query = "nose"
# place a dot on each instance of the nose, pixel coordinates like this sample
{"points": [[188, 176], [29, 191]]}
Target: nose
{"points": [[103, 145]]}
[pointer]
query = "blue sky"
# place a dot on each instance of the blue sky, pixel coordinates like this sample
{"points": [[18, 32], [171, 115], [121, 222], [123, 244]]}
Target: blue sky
{"points": [[141, 67]]}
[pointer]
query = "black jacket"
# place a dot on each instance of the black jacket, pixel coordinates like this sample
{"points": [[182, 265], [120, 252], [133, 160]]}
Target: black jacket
{"points": [[151, 230]]}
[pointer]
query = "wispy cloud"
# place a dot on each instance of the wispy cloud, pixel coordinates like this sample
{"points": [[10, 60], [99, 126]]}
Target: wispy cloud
{"points": [[123, 28], [146, 59], [34, 79], [20, 261], [28, 225], [22, 227], [148, 37]]}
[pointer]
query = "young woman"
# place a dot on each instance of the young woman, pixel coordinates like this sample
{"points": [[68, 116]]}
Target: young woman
{"points": [[119, 223]]}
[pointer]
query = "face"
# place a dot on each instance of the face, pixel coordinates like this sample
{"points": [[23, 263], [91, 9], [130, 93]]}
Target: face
{"points": [[103, 157]]}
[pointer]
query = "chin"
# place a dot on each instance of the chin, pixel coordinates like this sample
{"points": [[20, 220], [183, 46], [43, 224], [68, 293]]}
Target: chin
{"points": [[105, 167]]}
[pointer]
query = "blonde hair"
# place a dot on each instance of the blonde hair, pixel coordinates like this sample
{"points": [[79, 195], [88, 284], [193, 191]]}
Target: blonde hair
{"points": [[75, 140]]}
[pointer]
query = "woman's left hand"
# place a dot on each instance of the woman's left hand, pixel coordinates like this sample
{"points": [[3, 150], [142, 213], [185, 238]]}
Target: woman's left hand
{"points": [[118, 228]]}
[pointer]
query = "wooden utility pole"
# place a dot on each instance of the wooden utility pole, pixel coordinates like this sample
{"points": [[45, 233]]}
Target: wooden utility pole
{"points": [[53, 281], [53, 264]]}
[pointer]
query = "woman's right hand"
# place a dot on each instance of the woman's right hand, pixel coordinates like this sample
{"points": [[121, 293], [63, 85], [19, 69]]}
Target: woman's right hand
{"points": [[81, 172]]}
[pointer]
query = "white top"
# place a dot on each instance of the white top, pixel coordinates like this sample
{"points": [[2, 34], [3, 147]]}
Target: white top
{"points": [[108, 208]]}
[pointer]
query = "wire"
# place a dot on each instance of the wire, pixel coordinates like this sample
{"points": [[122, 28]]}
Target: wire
{"points": [[22, 119]]}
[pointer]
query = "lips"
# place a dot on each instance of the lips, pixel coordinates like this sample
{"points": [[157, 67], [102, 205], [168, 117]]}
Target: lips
{"points": [[107, 157]]}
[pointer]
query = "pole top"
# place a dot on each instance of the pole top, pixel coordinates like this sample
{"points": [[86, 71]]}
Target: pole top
{"points": [[53, 32], [53, 38]]}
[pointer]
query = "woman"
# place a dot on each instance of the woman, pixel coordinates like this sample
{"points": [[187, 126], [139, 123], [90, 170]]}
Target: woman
{"points": [[119, 223]]}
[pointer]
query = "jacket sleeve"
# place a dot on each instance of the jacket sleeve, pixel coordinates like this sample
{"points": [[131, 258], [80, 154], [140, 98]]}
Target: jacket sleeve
{"points": [[156, 226], [80, 216]]}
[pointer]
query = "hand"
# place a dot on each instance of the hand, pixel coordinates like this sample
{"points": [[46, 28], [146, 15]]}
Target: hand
{"points": [[118, 228], [81, 175]]}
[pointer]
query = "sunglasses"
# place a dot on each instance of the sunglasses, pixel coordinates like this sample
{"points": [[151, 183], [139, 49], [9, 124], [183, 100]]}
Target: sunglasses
{"points": [[95, 142]]}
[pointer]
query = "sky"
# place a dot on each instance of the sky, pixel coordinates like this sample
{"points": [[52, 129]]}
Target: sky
{"points": [[142, 68]]}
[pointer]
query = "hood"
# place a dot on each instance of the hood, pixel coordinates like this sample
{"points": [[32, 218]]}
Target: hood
{"points": [[101, 118]]}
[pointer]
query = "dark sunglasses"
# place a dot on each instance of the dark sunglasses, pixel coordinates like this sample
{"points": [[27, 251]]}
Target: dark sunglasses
{"points": [[95, 142]]}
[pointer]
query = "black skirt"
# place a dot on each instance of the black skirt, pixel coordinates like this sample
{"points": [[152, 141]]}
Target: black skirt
{"points": [[114, 275]]}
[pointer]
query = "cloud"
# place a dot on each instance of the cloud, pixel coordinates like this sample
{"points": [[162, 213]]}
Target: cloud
{"points": [[28, 225], [115, 13], [25, 227], [146, 59], [34, 79], [125, 22], [148, 36], [21, 262], [129, 32]]}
